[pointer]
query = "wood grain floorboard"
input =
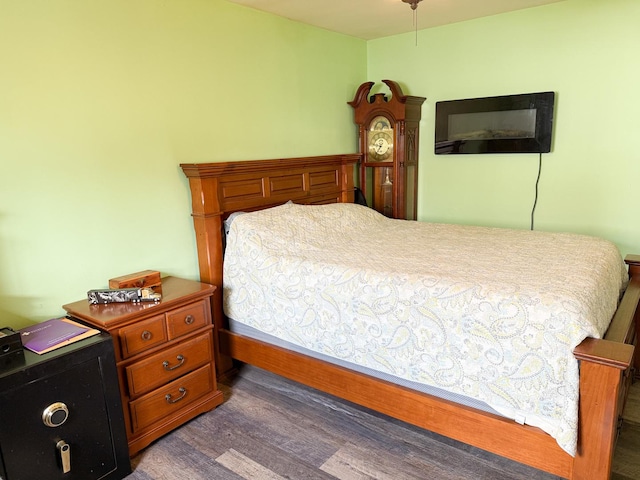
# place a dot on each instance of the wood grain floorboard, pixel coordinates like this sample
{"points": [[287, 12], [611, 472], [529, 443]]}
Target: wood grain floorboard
{"points": [[245, 467], [271, 428]]}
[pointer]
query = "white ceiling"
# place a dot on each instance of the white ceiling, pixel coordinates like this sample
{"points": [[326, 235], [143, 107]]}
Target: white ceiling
{"points": [[369, 19]]}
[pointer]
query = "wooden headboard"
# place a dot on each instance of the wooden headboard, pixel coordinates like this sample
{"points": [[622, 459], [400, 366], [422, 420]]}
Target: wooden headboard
{"points": [[219, 189]]}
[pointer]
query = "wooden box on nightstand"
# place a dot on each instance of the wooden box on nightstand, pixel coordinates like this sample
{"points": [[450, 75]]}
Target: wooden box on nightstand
{"points": [[164, 355]]}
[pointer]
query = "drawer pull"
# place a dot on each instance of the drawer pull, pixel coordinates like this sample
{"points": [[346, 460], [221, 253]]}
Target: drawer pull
{"points": [[146, 335], [183, 392], [167, 367], [189, 319]]}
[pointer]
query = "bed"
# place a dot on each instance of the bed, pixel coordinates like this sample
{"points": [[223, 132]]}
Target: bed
{"points": [[220, 190]]}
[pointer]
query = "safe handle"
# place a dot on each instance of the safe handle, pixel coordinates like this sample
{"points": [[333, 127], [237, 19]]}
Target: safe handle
{"points": [[65, 455]]}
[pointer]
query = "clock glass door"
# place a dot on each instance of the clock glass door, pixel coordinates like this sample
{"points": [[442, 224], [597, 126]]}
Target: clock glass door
{"points": [[379, 163], [380, 140]]}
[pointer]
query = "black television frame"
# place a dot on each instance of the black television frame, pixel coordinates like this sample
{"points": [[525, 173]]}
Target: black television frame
{"points": [[542, 102]]}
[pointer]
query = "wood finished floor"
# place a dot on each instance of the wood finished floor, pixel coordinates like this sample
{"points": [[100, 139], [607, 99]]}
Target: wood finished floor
{"points": [[271, 428]]}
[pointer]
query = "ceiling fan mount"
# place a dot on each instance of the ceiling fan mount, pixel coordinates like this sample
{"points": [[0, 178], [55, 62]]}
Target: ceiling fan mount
{"points": [[413, 3]]}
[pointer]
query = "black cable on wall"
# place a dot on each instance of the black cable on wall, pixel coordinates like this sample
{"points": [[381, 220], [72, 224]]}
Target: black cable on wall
{"points": [[535, 200]]}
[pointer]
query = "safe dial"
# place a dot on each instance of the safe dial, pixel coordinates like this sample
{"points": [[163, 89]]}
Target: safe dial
{"points": [[55, 414]]}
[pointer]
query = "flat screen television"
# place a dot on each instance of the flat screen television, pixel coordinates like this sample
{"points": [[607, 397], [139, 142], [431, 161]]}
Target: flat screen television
{"points": [[505, 124]]}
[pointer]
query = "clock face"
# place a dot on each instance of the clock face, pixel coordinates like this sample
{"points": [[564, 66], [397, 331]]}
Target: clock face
{"points": [[380, 139]]}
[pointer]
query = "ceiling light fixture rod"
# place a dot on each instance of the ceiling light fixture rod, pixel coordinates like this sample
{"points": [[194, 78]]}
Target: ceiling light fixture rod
{"points": [[414, 6]]}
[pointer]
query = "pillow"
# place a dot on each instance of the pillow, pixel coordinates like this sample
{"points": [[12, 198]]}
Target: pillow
{"points": [[229, 221]]}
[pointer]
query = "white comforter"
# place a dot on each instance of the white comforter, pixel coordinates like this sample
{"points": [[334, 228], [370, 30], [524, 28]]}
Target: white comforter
{"points": [[489, 313]]}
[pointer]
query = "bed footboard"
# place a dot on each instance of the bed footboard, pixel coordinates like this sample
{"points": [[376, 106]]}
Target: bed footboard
{"points": [[607, 368], [604, 371], [602, 366]]}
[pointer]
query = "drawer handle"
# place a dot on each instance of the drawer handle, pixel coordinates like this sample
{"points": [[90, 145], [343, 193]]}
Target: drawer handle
{"points": [[167, 367], [183, 392], [146, 335], [189, 319]]}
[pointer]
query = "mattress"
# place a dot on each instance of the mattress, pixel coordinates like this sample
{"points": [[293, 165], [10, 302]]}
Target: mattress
{"points": [[486, 313], [250, 332]]}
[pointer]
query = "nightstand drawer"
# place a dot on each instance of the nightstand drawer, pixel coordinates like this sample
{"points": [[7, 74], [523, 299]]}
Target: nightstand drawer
{"points": [[187, 319], [143, 335], [162, 367], [171, 398]]}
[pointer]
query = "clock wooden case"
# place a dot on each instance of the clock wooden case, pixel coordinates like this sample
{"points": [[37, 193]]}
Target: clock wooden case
{"points": [[388, 140]]}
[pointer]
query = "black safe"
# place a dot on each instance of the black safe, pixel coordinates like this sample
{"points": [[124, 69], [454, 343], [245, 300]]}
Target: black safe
{"points": [[61, 415], [11, 351]]}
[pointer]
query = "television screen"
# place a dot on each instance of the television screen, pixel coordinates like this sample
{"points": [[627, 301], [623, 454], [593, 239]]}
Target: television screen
{"points": [[505, 124]]}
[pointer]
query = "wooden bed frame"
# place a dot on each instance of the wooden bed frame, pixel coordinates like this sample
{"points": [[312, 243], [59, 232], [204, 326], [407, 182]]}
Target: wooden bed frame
{"points": [[606, 366]]}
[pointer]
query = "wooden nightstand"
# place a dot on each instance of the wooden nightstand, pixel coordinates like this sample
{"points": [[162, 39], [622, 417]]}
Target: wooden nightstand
{"points": [[164, 356]]}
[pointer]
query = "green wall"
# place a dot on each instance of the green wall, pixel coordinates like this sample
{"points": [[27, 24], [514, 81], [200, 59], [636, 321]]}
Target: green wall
{"points": [[584, 50], [101, 101]]}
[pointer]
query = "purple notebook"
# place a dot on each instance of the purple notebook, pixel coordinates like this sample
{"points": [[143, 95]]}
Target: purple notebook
{"points": [[43, 336]]}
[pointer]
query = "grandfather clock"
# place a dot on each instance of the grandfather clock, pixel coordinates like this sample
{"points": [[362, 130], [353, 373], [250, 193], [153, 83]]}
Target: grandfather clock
{"points": [[389, 133]]}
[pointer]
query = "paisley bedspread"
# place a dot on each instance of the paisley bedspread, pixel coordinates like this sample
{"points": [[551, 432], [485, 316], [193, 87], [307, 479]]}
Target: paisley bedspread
{"points": [[489, 313]]}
